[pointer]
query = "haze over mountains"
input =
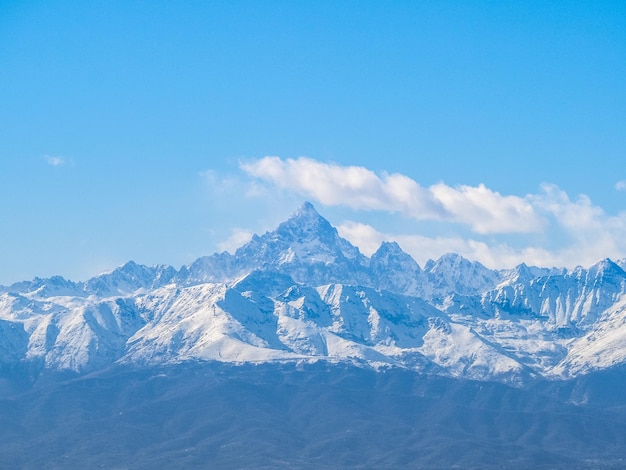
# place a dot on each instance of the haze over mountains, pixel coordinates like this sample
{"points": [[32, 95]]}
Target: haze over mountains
{"points": [[301, 293]]}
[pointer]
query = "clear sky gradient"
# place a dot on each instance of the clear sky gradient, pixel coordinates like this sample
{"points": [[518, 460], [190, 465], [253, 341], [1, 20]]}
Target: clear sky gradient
{"points": [[140, 130]]}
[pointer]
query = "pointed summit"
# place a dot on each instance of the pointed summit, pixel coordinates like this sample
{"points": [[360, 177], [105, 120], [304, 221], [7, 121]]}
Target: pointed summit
{"points": [[53, 286], [306, 212], [305, 246], [389, 254], [454, 273], [129, 277], [306, 236], [306, 223], [604, 265], [394, 269], [389, 248], [605, 270], [307, 208], [450, 261]]}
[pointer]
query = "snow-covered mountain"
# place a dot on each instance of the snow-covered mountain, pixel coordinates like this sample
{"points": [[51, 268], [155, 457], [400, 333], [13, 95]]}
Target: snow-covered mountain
{"points": [[306, 247], [303, 293]]}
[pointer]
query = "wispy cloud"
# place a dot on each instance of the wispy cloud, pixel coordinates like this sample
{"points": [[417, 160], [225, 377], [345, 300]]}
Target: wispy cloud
{"points": [[545, 228], [621, 185], [55, 161], [237, 238], [483, 210]]}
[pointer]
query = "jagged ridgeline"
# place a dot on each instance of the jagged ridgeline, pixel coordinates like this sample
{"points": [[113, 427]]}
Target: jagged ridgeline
{"points": [[299, 352], [301, 293]]}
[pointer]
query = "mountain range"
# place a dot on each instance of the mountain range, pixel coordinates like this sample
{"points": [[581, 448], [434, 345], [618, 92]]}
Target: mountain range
{"points": [[302, 294]]}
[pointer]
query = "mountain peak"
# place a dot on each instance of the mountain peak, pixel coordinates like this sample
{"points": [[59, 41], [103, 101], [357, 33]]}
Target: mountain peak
{"points": [[389, 247], [306, 214], [604, 267], [604, 264], [391, 253], [448, 261], [307, 208], [306, 223], [395, 270]]}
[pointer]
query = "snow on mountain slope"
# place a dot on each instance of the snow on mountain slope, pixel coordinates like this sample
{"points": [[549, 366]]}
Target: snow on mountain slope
{"points": [[541, 321], [454, 274], [126, 279], [394, 270], [569, 301], [54, 286], [93, 336], [193, 323], [462, 353], [262, 317], [69, 333], [302, 293], [524, 273], [332, 322], [601, 347], [129, 278]]}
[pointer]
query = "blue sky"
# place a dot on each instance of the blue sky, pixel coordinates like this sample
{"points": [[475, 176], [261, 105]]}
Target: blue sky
{"points": [[142, 130]]}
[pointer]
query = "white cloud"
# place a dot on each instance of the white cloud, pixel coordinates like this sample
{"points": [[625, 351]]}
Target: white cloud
{"points": [[55, 161], [579, 215], [364, 236], [580, 234], [483, 210], [421, 248], [592, 233], [547, 228], [487, 211], [621, 185]]}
